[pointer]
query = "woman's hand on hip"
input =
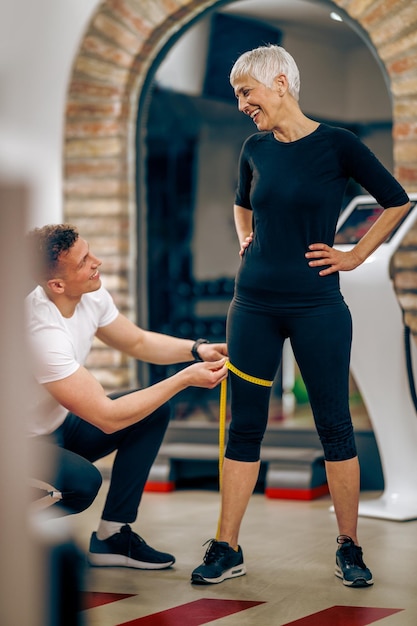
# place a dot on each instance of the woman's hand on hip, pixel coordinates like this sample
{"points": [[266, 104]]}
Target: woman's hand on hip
{"points": [[337, 261], [245, 244]]}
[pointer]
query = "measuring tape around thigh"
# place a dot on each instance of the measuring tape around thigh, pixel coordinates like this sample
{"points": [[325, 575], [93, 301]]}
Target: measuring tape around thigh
{"points": [[223, 407]]}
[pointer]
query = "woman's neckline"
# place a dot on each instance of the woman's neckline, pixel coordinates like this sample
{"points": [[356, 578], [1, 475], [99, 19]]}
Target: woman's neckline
{"points": [[289, 143]]}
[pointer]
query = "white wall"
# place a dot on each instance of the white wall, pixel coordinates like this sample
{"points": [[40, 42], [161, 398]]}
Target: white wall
{"points": [[183, 68], [367, 97], [38, 42], [339, 83]]}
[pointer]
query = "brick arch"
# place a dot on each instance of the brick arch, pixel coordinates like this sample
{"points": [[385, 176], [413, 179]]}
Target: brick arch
{"points": [[115, 57]]}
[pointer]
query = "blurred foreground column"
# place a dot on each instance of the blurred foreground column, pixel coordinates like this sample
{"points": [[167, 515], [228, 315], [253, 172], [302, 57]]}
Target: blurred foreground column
{"points": [[21, 576]]}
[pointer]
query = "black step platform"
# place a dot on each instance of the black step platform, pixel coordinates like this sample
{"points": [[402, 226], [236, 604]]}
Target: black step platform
{"points": [[292, 461]]}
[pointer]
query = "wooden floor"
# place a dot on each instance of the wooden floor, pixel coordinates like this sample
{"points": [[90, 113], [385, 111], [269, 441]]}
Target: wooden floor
{"points": [[289, 549]]}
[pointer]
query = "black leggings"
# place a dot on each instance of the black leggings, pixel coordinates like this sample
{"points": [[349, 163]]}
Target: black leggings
{"points": [[76, 445], [321, 340]]}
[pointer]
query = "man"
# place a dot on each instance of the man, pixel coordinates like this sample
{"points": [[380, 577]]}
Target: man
{"points": [[72, 414]]}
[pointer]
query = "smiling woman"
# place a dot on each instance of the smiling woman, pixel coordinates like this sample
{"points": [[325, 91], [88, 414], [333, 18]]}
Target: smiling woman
{"points": [[292, 177]]}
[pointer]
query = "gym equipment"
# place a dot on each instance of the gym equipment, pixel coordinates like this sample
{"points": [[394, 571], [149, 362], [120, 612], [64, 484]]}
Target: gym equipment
{"points": [[378, 362]]}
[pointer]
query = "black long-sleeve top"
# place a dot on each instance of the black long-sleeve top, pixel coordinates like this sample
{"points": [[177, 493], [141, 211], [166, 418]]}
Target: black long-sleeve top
{"points": [[295, 191]]}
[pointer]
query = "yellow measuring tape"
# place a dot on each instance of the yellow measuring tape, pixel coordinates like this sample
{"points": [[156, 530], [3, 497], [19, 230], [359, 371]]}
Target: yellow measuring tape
{"points": [[223, 409]]}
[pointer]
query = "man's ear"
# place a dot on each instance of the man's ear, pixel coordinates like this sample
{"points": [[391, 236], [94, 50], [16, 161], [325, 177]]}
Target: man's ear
{"points": [[56, 285]]}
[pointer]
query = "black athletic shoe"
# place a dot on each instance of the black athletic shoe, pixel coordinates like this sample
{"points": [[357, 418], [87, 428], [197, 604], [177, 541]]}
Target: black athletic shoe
{"points": [[220, 563], [126, 549], [349, 564]]}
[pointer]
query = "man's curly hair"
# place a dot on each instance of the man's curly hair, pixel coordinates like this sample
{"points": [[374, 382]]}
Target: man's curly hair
{"points": [[46, 244]]}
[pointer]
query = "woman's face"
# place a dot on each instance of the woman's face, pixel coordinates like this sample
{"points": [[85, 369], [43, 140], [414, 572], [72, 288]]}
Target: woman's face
{"points": [[261, 103]]}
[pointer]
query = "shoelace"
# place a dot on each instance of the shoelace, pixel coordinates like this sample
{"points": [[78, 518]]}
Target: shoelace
{"points": [[133, 538], [351, 553], [213, 552]]}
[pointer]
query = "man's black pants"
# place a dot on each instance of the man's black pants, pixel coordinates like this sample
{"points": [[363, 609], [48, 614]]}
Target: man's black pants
{"points": [[76, 445]]}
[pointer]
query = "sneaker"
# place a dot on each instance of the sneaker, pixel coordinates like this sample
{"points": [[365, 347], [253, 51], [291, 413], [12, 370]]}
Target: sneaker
{"points": [[349, 564], [126, 549], [220, 563]]}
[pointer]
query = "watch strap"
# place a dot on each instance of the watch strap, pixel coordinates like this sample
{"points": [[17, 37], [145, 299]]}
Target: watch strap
{"points": [[194, 349]]}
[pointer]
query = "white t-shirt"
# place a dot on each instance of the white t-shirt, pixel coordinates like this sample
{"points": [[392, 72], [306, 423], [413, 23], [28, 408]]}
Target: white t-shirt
{"points": [[59, 346]]}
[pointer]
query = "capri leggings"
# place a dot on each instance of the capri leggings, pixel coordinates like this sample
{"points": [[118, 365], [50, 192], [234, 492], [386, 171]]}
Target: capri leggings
{"points": [[321, 340]]}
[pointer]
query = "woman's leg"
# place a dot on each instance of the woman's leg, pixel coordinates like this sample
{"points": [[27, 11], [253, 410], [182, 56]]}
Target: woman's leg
{"points": [[343, 480], [321, 345], [255, 348], [238, 482]]}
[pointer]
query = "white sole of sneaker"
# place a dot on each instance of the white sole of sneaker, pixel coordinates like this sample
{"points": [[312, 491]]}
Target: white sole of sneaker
{"points": [[358, 582], [119, 560], [233, 572]]}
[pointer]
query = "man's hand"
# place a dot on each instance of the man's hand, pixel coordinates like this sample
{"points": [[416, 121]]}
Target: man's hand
{"points": [[212, 351], [338, 261], [207, 374]]}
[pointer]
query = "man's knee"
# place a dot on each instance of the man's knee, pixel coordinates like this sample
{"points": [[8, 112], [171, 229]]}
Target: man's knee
{"points": [[80, 494], [91, 484]]}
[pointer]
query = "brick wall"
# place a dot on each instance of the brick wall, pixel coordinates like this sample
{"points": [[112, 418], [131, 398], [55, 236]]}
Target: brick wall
{"points": [[115, 56]]}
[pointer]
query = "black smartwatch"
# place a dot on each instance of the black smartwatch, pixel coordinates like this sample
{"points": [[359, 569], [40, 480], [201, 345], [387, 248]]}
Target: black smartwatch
{"points": [[194, 349]]}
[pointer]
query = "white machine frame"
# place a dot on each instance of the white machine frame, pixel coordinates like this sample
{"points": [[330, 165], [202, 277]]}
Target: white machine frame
{"points": [[378, 366]]}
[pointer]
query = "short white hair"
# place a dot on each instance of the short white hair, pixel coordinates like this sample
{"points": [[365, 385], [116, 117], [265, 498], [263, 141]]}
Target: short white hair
{"points": [[264, 64]]}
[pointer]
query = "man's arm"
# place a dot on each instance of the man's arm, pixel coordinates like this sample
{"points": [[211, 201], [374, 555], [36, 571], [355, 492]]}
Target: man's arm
{"points": [[144, 345], [83, 395]]}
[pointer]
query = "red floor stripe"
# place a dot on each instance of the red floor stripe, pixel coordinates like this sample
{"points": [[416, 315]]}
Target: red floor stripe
{"points": [[193, 613], [344, 616], [91, 599], [160, 487]]}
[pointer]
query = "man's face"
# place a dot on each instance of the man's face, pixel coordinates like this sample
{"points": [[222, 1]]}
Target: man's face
{"points": [[79, 270]]}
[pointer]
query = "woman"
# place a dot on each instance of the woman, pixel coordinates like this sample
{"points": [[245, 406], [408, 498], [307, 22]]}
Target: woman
{"points": [[292, 178]]}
